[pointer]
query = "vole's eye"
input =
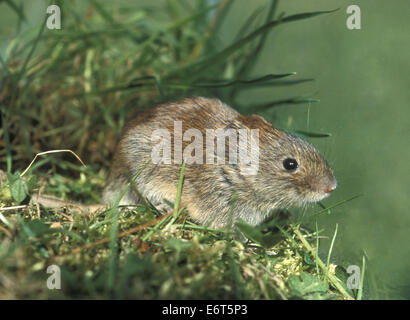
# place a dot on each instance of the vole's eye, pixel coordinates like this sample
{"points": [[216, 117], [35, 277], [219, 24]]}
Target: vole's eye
{"points": [[290, 164]]}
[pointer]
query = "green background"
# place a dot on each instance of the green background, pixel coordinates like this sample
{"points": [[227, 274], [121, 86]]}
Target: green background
{"points": [[361, 78]]}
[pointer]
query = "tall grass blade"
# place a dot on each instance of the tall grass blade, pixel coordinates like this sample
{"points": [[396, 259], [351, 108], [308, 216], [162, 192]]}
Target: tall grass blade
{"points": [[19, 11], [277, 103], [5, 126], [360, 291], [221, 56], [330, 251], [330, 207], [251, 60]]}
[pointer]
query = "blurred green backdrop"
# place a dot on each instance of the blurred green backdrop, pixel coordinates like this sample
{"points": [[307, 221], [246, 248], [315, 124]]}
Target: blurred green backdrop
{"points": [[362, 81]]}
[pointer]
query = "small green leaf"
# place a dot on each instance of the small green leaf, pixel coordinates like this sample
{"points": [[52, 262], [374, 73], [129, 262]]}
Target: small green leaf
{"points": [[13, 177], [177, 244], [307, 258], [17, 189], [307, 284], [38, 228], [252, 233], [265, 239], [31, 182]]}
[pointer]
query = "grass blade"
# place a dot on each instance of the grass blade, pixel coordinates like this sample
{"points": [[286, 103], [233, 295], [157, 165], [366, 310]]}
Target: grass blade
{"points": [[248, 23], [330, 207], [251, 60], [222, 10], [113, 260], [277, 103], [17, 9], [5, 126], [310, 134], [220, 83], [175, 26], [221, 56], [306, 15], [317, 247], [330, 250], [177, 210], [332, 278], [360, 291]]}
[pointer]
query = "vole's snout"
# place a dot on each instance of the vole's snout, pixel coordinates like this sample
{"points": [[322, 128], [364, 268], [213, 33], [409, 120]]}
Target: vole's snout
{"points": [[329, 184], [323, 186], [330, 187]]}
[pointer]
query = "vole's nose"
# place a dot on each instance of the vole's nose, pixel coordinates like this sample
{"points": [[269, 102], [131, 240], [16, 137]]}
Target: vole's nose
{"points": [[330, 188]]}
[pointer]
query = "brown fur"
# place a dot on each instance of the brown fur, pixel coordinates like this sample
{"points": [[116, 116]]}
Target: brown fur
{"points": [[210, 189]]}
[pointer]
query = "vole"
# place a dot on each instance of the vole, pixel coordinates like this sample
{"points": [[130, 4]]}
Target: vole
{"points": [[289, 171]]}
